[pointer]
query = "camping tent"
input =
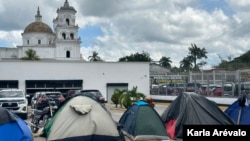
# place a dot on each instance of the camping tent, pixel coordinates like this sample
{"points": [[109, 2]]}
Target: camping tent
{"points": [[192, 109], [81, 118], [13, 128], [239, 111], [142, 122]]}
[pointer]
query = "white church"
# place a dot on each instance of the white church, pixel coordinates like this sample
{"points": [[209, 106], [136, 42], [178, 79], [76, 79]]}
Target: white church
{"points": [[61, 67], [63, 44]]}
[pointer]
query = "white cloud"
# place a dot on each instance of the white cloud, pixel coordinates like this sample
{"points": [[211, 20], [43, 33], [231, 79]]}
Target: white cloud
{"points": [[12, 37], [159, 27]]}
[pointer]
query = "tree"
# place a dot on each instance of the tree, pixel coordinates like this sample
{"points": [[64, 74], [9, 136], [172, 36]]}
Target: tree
{"points": [[117, 94], [186, 64], [223, 64], [236, 63], [165, 62], [137, 57], [130, 96], [30, 55], [94, 57], [136, 95], [125, 100], [196, 53], [202, 63]]}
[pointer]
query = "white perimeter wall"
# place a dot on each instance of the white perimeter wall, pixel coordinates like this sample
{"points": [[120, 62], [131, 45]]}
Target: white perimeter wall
{"points": [[95, 75]]}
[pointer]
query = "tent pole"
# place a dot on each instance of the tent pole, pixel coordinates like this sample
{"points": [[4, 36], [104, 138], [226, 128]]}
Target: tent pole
{"points": [[242, 101], [239, 116]]}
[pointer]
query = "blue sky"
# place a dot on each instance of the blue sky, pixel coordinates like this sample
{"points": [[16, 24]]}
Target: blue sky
{"points": [[116, 28], [210, 5], [88, 35], [4, 44]]}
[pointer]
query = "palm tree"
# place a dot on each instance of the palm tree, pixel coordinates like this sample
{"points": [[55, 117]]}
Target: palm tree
{"points": [[117, 94], [136, 95], [197, 53], [201, 64], [130, 96], [30, 55], [94, 57], [165, 62], [125, 100], [186, 64]]}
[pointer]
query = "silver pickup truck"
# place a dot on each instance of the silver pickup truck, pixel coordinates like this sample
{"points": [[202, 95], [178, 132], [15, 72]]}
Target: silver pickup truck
{"points": [[15, 101]]}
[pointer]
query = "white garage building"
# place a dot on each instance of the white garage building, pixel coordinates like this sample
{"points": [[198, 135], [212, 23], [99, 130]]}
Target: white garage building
{"points": [[40, 75]]}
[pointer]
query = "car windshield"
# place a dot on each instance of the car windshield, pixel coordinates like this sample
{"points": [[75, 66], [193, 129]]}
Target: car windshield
{"points": [[203, 87], [246, 86], [228, 87], [7, 94], [95, 93], [193, 85], [181, 85]]}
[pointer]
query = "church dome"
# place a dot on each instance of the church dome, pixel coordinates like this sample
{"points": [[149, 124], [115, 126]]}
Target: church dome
{"points": [[38, 27]]}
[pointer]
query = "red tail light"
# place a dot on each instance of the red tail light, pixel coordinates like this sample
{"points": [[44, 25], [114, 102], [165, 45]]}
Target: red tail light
{"points": [[61, 99], [101, 98]]}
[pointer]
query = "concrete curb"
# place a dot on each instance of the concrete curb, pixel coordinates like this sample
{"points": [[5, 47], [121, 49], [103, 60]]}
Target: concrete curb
{"points": [[157, 104]]}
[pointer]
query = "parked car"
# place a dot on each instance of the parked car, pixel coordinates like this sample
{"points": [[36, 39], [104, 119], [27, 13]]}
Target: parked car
{"points": [[192, 87], [93, 93], [15, 101], [175, 88], [44, 98], [71, 92], [204, 90], [217, 91], [34, 99], [180, 88], [229, 89], [245, 87], [207, 89]]}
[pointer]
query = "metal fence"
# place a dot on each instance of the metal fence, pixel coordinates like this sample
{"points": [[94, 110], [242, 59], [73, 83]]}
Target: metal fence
{"points": [[219, 83]]}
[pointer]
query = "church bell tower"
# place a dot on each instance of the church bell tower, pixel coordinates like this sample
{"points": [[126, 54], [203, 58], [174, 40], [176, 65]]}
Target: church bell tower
{"points": [[67, 42]]}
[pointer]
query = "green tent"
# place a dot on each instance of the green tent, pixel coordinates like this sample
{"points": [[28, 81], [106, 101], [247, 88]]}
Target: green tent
{"points": [[81, 118], [142, 122]]}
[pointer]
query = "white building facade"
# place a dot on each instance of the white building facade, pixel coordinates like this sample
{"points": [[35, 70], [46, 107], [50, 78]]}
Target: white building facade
{"points": [[59, 75]]}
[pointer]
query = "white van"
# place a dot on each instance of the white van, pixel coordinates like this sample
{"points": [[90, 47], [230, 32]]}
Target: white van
{"points": [[15, 101]]}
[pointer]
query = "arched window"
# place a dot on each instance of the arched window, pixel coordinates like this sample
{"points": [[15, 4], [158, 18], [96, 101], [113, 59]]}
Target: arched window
{"points": [[39, 41], [67, 54], [64, 36], [71, 36], [67, 21]]}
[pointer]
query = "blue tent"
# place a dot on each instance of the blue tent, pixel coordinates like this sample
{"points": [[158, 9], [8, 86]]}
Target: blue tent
{"points": [[13, 128], [239, 111], [142, 122]]}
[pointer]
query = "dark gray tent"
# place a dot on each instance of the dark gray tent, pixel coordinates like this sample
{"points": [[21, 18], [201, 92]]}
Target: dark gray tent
{"points": [[192, 109]]}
